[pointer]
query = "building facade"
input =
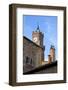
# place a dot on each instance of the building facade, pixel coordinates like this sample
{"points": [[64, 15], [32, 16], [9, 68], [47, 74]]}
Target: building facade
{"points": [[33, 51]]}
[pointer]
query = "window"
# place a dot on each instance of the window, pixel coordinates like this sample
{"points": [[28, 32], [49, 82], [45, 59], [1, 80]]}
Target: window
{"points": [[31, 61], [27, 60]]}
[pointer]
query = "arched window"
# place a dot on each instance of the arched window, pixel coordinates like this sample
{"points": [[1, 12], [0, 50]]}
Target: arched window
{"points": [[31, 61], [28, 60]]}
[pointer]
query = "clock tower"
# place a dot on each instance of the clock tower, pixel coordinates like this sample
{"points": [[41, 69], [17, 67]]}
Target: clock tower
{"points": [[37, 37]]}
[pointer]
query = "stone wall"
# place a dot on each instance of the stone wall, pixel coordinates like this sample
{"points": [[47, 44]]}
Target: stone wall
{"points": [[33, 52]]}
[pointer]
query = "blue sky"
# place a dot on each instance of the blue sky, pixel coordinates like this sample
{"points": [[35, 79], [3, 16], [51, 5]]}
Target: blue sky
{"points": [[47, 25]]}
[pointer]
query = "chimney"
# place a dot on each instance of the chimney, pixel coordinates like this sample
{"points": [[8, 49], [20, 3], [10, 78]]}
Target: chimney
{"points": [[49, 59]]}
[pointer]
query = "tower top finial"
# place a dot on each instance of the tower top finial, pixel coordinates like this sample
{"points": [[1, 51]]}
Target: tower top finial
{"points": [[38, 29], [52, 47]]}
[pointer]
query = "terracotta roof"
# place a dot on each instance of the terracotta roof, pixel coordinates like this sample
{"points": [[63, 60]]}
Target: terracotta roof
{"points": [[42, 67]]}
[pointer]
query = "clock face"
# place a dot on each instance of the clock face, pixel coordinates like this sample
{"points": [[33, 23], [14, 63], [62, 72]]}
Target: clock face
{"points": [[35, 39]]}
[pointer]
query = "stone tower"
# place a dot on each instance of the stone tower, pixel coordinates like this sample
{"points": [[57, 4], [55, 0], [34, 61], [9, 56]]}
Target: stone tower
{"points": [[37, 37], [52, 53]]}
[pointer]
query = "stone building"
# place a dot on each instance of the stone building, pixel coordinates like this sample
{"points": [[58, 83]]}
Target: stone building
{"points": [[33, 51]]}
